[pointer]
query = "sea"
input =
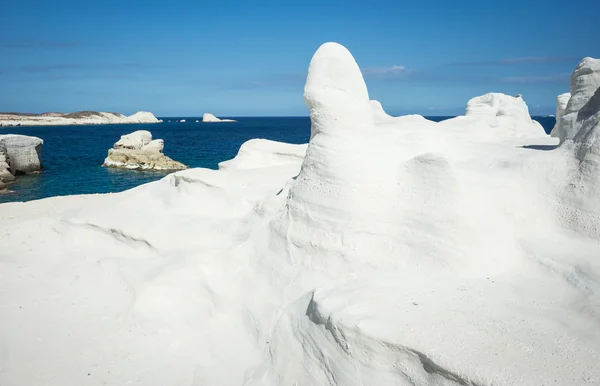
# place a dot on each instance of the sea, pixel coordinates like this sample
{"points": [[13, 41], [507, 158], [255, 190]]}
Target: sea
{"points": [[72, 156]]}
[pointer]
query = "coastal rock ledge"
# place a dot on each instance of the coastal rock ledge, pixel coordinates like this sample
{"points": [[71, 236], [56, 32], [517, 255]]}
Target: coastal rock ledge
{"points": [[137, 151]]}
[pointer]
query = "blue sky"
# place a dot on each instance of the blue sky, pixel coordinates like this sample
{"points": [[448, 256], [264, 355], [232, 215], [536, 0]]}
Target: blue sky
{"points": [[244, 58]]}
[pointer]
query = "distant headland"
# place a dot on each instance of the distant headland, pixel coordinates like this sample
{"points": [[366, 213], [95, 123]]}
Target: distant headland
{"points": [[76, 118]]}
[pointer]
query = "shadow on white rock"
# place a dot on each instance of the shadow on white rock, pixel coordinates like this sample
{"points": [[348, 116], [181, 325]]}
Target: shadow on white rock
{"points": [[585, 80], [581, 195]]}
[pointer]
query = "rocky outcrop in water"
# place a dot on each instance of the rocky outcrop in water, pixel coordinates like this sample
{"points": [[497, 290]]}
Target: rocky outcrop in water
{"points": [[137, 151], [19, 154], [208, 117], [24, 153]]}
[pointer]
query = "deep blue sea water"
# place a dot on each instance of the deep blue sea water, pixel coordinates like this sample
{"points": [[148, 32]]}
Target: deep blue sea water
{"points": [[72, 155]]}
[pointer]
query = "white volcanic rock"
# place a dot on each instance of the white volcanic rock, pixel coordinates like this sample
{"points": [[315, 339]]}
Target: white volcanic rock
{"points": [[581, 195], [142, 117], [393, 254], [77, 118], [386, 199], [208, 117], [584, 83], [135, 140], [379, 114], [24, 153], [138, 151], [155, 145], [261, 153], [561, 105], [380, 117], [5, 174], [507, 114]]}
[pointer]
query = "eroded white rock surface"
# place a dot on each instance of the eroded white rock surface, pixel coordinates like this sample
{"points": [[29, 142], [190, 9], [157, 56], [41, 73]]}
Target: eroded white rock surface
{"points": [[24, 153], [260, 153], [580, 206], [5, 174], [136, 140], [390, 254], [508, 115], [584, 83], [139, 151], [380, 117], [561, 105], [208, 117]]}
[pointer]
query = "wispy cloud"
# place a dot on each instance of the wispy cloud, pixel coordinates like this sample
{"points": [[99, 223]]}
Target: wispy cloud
{"points": [[384, 72], [517, 61], [537, 79], [36, 43], [70, 71], [279, 81], [49, 68]]}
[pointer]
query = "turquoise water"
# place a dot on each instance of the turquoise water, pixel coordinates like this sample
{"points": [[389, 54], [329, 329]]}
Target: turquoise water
{"points": [[72, 155]]}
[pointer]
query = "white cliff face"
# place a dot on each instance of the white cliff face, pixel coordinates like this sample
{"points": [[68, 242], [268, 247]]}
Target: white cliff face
{"points": [[24, 153], [507, 114], [78, 118], [208, 117], [561, 105], [137, 151], [390, 253], [580, 209], [584, 83]]}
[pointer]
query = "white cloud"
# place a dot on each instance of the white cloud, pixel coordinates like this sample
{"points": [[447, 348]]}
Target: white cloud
{"points": [[384, 71]]}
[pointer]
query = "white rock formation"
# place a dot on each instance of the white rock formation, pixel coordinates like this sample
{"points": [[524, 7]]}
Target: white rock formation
{"points": [[581, 195], [561, 105], [380, 117], [77, 118], [260, 153], [138, 151], [135, 141], [584, 83], [24, 153], [155, 145], [392, 254], [208, 117], [507, 114], [142, 117]]}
